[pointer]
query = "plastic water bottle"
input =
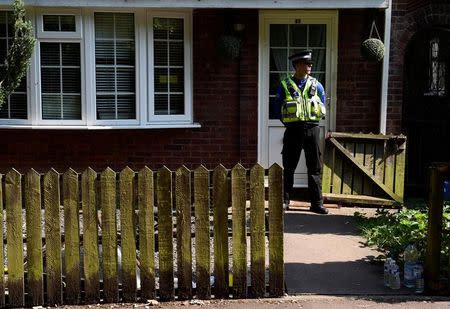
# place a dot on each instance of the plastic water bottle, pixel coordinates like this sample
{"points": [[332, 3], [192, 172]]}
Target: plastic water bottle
{"points": [[410, 256], [394, 280], [418, 275], [387, 269]]}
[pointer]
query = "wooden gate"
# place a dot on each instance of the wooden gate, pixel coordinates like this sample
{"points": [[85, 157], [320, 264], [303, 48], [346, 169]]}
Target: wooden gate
{"points": [[364, 168]]}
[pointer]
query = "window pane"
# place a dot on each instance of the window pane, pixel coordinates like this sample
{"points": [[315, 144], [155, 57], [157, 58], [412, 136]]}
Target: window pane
{"points": [[51, 22], [68, 23], [176, 80], [176, 54], [175, 28], [72, 107], [298, 35], [176, 104], [71, 80], [318, 57], [3, 23], [160, 51], [50, 54], [115, 70], [161, 80], [125, 53], [61, 81], [161, 104], [106, 107], [50, 80], [278, 59], [70, 54], [317, 35], [105, 79], [125, 80], [278, 35], [104, 52], [160, 28], [51, 107], [126, 107], [3, 49]]}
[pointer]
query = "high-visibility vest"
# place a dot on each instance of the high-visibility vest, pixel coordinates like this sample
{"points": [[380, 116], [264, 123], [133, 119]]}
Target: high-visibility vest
{"points": [[301, 105]]}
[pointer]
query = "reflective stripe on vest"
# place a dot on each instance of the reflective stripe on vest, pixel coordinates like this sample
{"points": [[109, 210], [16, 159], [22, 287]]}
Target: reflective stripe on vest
{"points": [[301, 105]]}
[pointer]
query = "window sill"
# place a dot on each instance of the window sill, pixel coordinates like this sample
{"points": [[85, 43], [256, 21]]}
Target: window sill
{"points": [[106, 127]]}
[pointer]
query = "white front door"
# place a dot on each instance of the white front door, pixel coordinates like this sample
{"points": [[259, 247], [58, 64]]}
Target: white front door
{"points": [[283, 33]]}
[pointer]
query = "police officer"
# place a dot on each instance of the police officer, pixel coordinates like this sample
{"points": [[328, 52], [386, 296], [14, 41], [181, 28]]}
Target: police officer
{"points": [[300, 105]]}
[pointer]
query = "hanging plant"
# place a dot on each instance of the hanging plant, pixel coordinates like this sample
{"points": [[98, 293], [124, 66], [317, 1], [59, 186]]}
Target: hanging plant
{"points": [[229, 46], [373, 48]]}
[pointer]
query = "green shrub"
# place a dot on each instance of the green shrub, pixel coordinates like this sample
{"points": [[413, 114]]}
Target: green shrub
{"points": [[392, 232]]}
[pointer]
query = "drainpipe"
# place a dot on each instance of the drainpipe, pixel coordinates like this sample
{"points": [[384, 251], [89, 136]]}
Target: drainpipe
{"points": [[385, 74]]}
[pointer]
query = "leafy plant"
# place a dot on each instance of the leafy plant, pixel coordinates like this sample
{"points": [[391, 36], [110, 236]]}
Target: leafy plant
{"points": [[19, 54], [392, 232]]}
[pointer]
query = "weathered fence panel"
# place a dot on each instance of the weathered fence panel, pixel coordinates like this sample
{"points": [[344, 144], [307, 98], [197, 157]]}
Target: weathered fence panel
{"points": [[34, 237], [90, 237], [183, 207], [146, 202], [202, 251], [220, 208], [364, 168], [2, 279], [165, 238], [72, 239], [109, 235], [13, 199], [258, 229], [101, 249], [53, 238]]}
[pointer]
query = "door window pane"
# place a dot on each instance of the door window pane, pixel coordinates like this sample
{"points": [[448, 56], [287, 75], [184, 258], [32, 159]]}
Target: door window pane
{"points": [[115, 66], [286, 40], [60, 81], [169, 66]]}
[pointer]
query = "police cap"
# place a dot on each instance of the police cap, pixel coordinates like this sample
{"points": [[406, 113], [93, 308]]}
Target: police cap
{"points": [[303, 56]]}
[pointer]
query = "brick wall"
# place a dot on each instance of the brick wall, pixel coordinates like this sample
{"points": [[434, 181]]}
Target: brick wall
{"points": [[408, 17], [359, 81], [229, 121]]}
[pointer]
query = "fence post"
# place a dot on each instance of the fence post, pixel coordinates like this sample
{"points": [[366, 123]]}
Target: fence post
{"points": [[109, 234], [165, 230], [71, 236], [53, 237], [432, 257], [90, 236], [258, 229], [128, 234], [146, 232], [276, 226], [183, 206], [202, 250], [34, 237], [220, 208], [238, 201], [14, 245]]}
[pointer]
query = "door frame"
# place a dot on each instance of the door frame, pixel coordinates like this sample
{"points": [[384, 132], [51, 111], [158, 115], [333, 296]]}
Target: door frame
{"points": [[328, 17]]}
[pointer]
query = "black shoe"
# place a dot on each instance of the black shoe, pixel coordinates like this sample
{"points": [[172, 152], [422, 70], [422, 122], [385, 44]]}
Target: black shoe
{"points": [[319, 210]]}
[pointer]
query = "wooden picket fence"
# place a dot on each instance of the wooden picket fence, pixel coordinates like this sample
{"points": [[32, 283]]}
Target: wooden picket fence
{"points": [[64, 233]]}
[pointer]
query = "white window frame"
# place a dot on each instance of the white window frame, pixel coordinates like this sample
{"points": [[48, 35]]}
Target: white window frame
{"points": [[91, 89], [58, 37], [40, 33], [144, 71], [188, 77]]}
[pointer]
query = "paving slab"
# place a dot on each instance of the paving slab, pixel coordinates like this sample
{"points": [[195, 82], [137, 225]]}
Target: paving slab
{"points": [[324, 255]]}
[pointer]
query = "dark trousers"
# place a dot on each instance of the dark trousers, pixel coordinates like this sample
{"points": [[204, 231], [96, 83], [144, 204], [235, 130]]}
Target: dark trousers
{"points": [[305, 136]]}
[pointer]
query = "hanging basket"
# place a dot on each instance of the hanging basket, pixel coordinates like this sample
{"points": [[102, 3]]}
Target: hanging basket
{"points": [[229, 46], [372, 49]]}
